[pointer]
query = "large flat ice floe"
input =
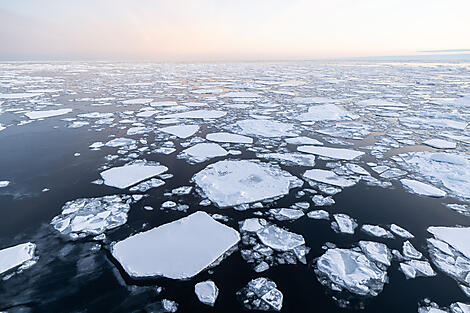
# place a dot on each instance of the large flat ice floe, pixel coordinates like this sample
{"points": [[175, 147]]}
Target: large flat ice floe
{"points": [[177, 250], [196, 114], [266, 128], [15, 256], [451, 170], [131, 174], [326, 112], [422, 188], [334, 153], [233, 182], [34, 115]]}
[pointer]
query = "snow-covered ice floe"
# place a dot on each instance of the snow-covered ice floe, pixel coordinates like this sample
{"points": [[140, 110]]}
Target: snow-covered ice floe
{"points": [[202, 151], [229, 137], [207, 292], [178, 250], [34, 115], [92, 216], [15, 256], [261, 294], [181, 131], [131, 173], [266, 128], [347, 269], [333, 153], [421, 188], [328, 177], [233, 182], [326, 112], [450, 253]]}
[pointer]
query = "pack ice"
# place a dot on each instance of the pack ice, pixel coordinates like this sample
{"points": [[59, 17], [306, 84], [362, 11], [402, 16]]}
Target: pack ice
{"points": [[233, 182], [177, 250], [34, 115]]}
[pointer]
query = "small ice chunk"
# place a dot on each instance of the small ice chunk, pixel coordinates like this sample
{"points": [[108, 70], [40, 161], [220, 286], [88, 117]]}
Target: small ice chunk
{"points": [[320, 200], [4, 183], [233, 182], [229, 137], [410, 252], [15, 256], [202, 114], [286, 214], [206, 292], [280, 239], [334, 153], [376, 231], [328, 177], [197, 237], [131, 174], [252, 225], [181, 131], [47, 113], [401, 232], [440, 144], [343, 223], [414, 268], [422, 188], [319, 215], [118, 142], [169, 306], [261, 294]]}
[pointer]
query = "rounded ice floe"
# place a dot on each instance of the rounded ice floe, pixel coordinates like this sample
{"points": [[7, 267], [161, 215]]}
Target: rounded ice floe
{"points": [[131, 174], [207, 292], [334, 153], [12, 257], [4, 183], [180, 249], [421, 188], [229, 137], [233, 182], [440, 144], [351, 270]]}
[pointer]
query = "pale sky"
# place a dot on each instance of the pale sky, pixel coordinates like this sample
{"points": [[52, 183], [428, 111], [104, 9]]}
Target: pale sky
{"points": [[229, 30]]}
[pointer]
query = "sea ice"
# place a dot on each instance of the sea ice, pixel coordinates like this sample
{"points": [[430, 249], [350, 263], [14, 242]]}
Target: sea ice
{"points": [[416, 268], [303, 141], [15, 256], [319, 215], [334, 153], [328, 177], [92, 216], [4, 183], [206, 292], [376, 231], [421, 188], [343, 223], [233, 182], [202, 114], [181, 131], [440, 144], [326, 112], [180, 249], [376, 251], [47, 113], [131, 174], [280, 239], [351, 270], [291, 158], [228, 137], [400, 231], [261, 294], [202, 152], [266, 128]]}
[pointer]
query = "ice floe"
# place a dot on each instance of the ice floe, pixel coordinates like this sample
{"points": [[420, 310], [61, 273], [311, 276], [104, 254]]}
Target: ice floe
{"points": [[181, 131], [422, 188], [261, 294], [34, 115], [207, 292], [202, 152], [440, 144], [266, 128], [228, 137], [328, 177], [178, 250], [15, 256], [233, 182], [334, 153], [326, 112], [131, 174]]}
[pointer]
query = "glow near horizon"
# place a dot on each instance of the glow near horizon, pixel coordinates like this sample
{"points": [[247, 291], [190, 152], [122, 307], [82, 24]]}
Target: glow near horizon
{"points": [[210, 29]]}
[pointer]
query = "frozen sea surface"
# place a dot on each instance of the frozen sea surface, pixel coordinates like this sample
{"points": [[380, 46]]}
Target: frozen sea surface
{"points": [[291, 186]]}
